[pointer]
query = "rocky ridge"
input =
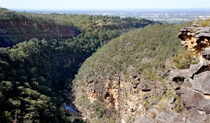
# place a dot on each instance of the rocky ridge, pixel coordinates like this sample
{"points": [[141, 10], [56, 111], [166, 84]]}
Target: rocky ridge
{"points": [[16, 28]]}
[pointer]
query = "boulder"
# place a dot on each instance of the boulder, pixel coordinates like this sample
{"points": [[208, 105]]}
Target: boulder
{"points": [[184, 73], [201, 82]]}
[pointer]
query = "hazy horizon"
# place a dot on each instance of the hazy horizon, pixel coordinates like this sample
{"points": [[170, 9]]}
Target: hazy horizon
{"points": [[103, 5], [108, 9]]}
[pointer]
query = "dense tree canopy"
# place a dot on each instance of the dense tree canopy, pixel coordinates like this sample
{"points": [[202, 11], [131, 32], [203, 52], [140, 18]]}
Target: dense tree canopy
{"points": [[33, 76]]}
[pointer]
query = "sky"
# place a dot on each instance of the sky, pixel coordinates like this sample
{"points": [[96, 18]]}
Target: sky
{"points": [[102, 4]]}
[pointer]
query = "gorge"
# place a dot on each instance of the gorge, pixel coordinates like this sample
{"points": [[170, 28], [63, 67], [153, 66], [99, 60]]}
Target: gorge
{"points": [[104, 69]]}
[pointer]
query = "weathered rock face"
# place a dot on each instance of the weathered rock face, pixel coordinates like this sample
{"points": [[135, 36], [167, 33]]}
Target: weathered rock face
{"points": [[13, 31], [195, 81], [197, 40], [125, 101], [136, 103], [202, 82]]}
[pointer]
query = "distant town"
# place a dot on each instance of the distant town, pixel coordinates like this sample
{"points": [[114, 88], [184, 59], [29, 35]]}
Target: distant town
{"points": [[161, 15]]}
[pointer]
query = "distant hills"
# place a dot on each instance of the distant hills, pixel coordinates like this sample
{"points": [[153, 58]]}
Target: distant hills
{"points": [[161, 15], [16, 27]]}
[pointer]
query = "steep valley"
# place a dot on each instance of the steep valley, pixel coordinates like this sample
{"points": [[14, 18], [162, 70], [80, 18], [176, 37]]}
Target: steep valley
{"points": [[100, 69], [39, 57]]}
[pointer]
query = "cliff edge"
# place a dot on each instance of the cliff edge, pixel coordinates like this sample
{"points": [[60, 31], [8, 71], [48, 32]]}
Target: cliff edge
{"points": [[194, 83]]}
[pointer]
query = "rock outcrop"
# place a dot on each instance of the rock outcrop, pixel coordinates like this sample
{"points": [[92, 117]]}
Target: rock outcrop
{"points": [[197, 41], [195, 82]]}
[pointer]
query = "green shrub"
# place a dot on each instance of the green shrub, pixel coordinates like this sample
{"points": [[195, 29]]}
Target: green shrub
{"points": [[206, 22], [183, 60]]}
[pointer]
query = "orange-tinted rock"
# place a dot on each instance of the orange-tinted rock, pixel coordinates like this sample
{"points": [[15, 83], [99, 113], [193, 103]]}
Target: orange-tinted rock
{"points": [[196, 39]]}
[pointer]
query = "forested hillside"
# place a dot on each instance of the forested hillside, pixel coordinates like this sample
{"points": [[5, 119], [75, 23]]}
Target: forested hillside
{"points": [[33, 77], [20, 26], [128, 80], [96, 30], [36, 74], [16, 27], [129, 76]]}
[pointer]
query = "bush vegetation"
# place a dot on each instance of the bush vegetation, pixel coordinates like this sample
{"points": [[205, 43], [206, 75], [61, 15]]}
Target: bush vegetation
{"points": [[141, 52], [36, 75]]}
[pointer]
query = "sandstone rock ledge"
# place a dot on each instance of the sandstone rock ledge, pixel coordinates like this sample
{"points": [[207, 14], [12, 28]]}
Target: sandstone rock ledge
{"points": [[194, 82]]}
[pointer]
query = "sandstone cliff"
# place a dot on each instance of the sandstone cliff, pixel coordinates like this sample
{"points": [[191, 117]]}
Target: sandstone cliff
{"points": [[15, 28]]}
